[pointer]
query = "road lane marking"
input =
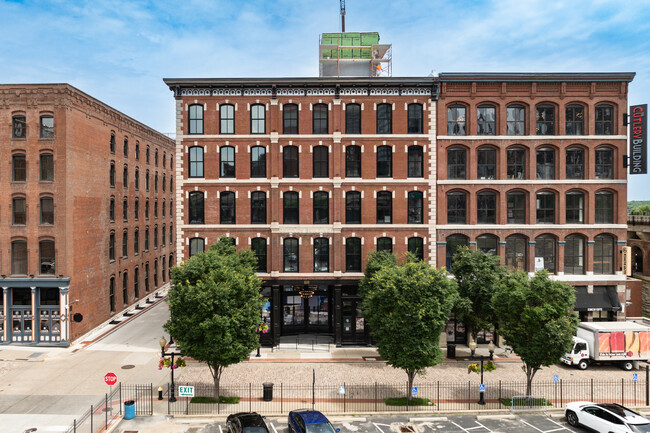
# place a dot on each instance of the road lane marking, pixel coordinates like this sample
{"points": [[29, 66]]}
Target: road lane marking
{"points": [[273, 427], [220, 431], [379, 428]]}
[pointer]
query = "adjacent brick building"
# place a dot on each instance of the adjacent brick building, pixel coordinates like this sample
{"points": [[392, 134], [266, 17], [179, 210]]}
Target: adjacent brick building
{"points": [[86, 212], [313, 174]]}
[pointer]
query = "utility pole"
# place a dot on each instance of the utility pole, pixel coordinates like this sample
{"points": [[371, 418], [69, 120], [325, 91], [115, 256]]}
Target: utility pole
{"points": [[343, 16]]}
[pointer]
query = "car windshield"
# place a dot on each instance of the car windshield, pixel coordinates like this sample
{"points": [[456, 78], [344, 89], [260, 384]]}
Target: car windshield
{"points": [[255, 429], [640, 428], [323, 427]]}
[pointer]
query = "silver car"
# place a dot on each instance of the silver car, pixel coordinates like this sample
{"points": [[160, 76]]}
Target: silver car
{"points": [[605, 417]]}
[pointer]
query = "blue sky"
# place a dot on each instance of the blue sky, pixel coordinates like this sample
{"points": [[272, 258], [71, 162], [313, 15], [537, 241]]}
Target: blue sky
{"points": [[118, 51]]}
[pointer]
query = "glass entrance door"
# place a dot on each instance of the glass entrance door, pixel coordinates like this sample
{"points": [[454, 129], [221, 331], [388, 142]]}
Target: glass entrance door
{"points": [[305, 315], [21, 325], [353, 322]]}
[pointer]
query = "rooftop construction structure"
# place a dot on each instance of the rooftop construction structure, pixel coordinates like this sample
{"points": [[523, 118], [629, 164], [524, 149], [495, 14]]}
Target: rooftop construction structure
{"points": [[350, 54]]}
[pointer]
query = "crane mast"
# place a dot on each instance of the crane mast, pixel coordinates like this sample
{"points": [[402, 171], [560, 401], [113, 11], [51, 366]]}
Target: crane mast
{"points": [[343, 16]]}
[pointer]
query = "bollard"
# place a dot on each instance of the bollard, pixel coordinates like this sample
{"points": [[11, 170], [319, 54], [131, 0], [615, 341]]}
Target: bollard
{"points": [[160, 390]]}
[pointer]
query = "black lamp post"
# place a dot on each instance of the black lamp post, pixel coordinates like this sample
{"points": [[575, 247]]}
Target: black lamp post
{"points": [[163, 343], [472, 347]]}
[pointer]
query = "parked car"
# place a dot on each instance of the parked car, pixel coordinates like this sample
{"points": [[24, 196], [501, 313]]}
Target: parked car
{"points": [[309, 421], [246, 422], [605, 417]]}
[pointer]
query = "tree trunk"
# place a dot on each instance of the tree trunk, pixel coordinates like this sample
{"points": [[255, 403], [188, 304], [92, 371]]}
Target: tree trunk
{"points": [[216, 377], [411, 376], [530, 373]]}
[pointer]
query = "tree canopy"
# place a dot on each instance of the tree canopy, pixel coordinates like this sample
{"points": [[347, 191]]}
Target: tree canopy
{"points": [[406, 307], [215, 306], [477, 275], [535, 318]]}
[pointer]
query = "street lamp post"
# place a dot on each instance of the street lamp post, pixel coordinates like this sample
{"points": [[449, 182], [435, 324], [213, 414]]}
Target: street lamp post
{"points": [[472, 347], [163, 344]]}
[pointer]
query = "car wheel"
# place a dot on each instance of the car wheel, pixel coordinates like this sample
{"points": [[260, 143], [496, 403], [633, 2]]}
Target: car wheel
{"points": [[583, 364], [628, 365], [572, 418]]}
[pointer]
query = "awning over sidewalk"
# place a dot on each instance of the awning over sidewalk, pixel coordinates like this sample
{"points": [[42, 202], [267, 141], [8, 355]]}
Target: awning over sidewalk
{"points": [[602, 299]]}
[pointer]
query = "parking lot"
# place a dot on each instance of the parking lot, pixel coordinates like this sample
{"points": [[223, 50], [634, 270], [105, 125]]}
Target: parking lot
{"points": [[525, 423]]}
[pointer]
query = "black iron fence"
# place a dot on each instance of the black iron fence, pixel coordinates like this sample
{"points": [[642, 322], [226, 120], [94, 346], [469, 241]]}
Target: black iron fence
{"points": [[105, 412], [378, 397]]}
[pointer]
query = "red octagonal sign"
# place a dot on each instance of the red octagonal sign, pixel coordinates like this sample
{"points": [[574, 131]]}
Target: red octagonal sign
{"points": [[110, 378]]}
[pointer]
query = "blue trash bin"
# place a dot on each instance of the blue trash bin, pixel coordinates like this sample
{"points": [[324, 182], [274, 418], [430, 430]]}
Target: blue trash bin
{"points": [[129, 409]]}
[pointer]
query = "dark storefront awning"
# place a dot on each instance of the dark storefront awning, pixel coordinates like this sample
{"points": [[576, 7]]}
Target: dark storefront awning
{"points": [[602, 299]]}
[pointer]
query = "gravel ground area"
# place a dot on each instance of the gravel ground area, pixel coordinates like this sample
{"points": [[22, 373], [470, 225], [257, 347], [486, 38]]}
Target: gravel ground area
{"points": [[8, 366], [300, 372]]}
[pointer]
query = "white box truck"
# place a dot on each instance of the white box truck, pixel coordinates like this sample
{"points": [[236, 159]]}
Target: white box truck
{"points": [[622, 343]]}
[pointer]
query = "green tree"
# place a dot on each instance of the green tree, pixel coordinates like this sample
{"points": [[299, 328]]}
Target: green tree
{"points": [[535, 318], [406, 307], [477, 275], [215, 307]]}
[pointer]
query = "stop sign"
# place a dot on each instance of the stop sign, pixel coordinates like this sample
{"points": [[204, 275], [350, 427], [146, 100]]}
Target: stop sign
{"points": [[110, 378]]}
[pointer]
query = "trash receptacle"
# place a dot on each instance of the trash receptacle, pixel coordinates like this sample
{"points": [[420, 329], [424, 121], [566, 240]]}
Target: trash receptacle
{"points": [[268, 391], [129, 409], [451, 351]]}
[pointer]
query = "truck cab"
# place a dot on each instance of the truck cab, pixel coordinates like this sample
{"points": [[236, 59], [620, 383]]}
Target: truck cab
{"points": [[579, 355]]}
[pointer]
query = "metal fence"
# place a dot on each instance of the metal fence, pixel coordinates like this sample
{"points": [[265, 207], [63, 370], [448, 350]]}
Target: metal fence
{"points": [[108, 410], [377, 397]]}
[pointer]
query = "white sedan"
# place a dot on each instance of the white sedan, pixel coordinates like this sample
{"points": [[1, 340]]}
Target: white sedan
{"points": [[605, 417]]}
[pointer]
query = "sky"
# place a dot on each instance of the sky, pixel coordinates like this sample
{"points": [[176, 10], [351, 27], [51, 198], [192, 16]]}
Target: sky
{"points": [[118, 51]]}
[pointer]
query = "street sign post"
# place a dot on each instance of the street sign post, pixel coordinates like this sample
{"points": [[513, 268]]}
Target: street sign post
{"points": [[482, 388], [341, 389], [414, 391], [186, 391], [110, 379], [556, 378], [635, 377]]}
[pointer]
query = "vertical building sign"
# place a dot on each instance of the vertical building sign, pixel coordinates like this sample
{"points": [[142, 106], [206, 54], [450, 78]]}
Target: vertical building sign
{"points": [[639, 139]]}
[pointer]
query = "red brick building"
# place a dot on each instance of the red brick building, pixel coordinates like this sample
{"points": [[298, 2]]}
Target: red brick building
{"points": [[313, 174], [86, 213]]}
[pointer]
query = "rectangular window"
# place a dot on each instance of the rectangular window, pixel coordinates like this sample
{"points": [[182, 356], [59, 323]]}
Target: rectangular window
{"points": [[604, 120], [516, 168], [47, 210], [352, 161], [604, 163], [575, 208], [384, 161], [47, 167], [321, 255], [384, 119], [227, 208], [47, 127], [545, 120], [545, 208], [19, 167], [353, 255], [516, 120], [486, 120], [19, 258], [486, 208], [575, 120], [415, 161], [384, 207], [258, 161], [258, 119], [516, 208], [290, 205], [487, 164], [415, 207], [227, 119], [227, 161], [321, 207], [353, 207], [258, 207], [575, 163], [414, 119], [290, 119], [195, 119], [290, 161], [321, 161], [18, 127], [46, 255], [456, 120], [19, 211], [291, 255], [320, 119], [353, 119], [258, 245]]}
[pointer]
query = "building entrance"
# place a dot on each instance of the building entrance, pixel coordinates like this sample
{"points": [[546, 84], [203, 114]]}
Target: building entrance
{"points": [[353, 323], [306, 315]]}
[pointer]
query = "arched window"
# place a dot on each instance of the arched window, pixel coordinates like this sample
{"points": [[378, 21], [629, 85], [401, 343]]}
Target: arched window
{"points": [[456, 163], [227, 119], [415, 161], [227, 207], [416, 247], [46, 257], [258, 161], [545, 163], [155, 237], [111, 209], [415, 118], [545, 250], [486, 207], [258, 207], [111, 294], [516, 163], [574, 255], [516, 253], [197, 245], [486, 163], [604, 163], [545, 120], [146, 206], [136, 242], [575, 120], [125, 177], [19, 257], [352, 119], [19, 211], [196, 161], [384, 118], [146, 239], [456, 120], [384, 161], [112, 143], [290, 119], [575, 207], [125, 209], [321, 255], [384, 207], [136, 285], [415, 207], [258, 246], [126, 147], [47, 126], [353, 207], [290, 207], [319, 113], [385, 244], [290, 161], [19, 126], [603, 255], [196, 208], [258, 119], [604, 208], [453, 243], [456, 207], [545, 207], [321, 161], [46, 167], [47, 211], [486, 120], [136, 179], [516, 120], [353, 161], [137, 151], [125, 244], [125, 288], [516, 205], [321, 207], [604, 120], [353, 255], [111, 247], [487, 244], [227, 161], [195, 119], [290, 254], [575, 163], [111, 175]]}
